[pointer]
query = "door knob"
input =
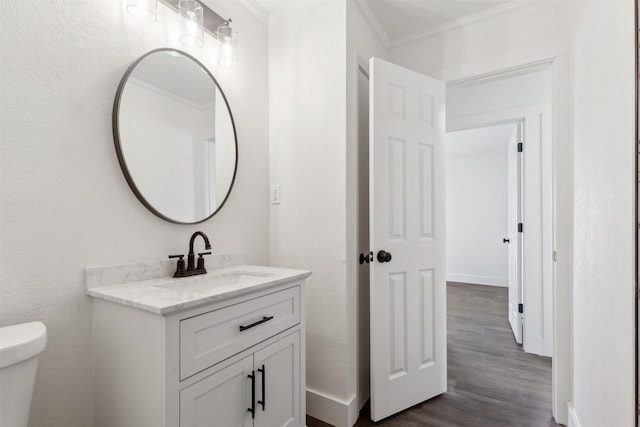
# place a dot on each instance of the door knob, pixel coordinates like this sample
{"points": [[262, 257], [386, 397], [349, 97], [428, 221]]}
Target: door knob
{"points": [[506, 241], [384, 256]]}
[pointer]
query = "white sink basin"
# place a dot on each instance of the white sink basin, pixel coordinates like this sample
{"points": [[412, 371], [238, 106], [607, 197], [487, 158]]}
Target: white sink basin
{"points": [[208, 282]]}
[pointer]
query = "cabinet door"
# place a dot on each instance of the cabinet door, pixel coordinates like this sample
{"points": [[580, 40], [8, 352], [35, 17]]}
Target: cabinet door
{"points": [[278, 383], [221, 399]]}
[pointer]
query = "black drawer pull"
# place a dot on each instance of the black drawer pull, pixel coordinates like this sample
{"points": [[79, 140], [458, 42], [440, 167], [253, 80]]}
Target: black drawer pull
{"points": [[253, 394], [264, 319], [263, 402]]}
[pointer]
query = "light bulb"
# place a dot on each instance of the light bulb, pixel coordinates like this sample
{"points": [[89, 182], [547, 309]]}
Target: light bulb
{"points": [[228, 54], [142, 8], [192, 27], [228, 50]]}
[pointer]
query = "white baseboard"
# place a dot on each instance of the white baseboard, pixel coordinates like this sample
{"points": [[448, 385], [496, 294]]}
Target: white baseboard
{"points": [[332, 410], [478, 280], [573, 417]]}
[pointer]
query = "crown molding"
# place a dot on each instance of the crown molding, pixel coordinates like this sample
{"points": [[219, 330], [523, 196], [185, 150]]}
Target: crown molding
{"points": [[458, 23], [254, 7], [510, 72]]}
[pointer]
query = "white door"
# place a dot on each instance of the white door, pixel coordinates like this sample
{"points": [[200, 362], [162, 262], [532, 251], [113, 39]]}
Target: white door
{"points": [[408, 294], [278, 384], [220, 399], [514, 216]]}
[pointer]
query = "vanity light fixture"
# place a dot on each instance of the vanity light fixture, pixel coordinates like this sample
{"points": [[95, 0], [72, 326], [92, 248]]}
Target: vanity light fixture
{"points": [[196, 18], [229, 41], [191, 33], [144, 10]]}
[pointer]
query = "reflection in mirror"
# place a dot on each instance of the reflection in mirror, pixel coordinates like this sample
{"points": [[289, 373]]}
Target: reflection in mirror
{"points": [[175, 136]]}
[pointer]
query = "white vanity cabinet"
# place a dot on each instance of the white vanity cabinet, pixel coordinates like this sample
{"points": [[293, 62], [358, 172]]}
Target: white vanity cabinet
{"points": [[235, 361], [259, 390]]}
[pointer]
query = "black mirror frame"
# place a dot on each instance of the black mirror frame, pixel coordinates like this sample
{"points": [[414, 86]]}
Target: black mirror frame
{"points": [[117, 139]]}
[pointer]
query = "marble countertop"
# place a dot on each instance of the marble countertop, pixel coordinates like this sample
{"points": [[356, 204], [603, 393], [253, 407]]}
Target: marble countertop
{"points": [[167, 294]]}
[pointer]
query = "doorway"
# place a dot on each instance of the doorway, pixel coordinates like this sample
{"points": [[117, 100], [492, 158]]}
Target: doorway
{"points": [[538, 117], [522, 95], [484, 207]]}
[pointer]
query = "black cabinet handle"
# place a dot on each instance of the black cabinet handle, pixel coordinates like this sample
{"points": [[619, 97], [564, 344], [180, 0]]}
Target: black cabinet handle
{"points": [[384, 256], [264, 319], [506, 241], [263, 402], [253, 394]]}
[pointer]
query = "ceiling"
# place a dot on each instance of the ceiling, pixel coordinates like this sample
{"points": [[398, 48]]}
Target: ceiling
{"points": [[398, 21]]}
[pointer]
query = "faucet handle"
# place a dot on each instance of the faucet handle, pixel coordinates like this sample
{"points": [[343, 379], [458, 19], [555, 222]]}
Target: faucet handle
{"points": [[200, 265], [180, 266]]}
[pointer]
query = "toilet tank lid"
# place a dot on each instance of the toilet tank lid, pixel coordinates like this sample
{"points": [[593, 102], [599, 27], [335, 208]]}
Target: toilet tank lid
{"points": [[21, 342]]}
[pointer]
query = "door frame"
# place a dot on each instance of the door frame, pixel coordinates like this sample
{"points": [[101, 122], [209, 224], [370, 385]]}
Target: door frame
{"points": [[562, 153], [562, 221], [537, 249], [562, 225]]}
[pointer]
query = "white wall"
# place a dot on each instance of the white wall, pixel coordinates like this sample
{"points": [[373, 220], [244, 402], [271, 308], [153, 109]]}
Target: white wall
{"points": [[314, 142], [520, 88], [603, 292], [307, 87], [477, 207], [65, 204]]}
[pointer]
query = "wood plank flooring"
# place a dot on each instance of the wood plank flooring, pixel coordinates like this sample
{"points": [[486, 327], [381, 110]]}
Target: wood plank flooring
{"points": [[491, 380]]}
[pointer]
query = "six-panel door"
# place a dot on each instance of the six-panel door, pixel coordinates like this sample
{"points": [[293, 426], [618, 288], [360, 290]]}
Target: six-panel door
{"points": [[408, 288]]}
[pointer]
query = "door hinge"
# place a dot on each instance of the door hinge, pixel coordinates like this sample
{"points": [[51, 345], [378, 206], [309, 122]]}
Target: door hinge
{"points": [[519, 227], [520, 147], [520, 308]]}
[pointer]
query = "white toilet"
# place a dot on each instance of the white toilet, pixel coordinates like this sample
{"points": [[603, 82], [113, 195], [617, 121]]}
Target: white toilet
{"points": [[20, 346]]}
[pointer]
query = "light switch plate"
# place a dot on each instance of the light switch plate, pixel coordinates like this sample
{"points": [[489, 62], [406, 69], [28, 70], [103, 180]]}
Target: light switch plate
{"points": [[275, 194]]}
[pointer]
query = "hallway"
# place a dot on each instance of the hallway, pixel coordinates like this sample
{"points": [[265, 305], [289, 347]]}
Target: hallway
{"points": [[491, 380]]}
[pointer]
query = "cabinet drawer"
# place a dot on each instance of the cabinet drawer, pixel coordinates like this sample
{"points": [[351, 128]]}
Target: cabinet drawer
{"points": [[208, 338]]}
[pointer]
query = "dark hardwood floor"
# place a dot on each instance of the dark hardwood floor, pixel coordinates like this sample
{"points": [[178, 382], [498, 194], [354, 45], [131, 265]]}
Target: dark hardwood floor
{"points": [[491, 380]]}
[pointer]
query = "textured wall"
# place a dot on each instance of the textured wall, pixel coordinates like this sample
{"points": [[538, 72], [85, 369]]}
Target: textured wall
{"points": [[65, 203], [314, 160], [307, 141], [603, 305]]}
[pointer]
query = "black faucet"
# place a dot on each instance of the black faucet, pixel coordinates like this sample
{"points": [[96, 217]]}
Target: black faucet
{"points": [[192, 269]]}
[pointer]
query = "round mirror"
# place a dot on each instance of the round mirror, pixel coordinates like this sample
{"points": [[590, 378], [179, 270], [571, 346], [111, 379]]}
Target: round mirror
{"points": [[175, 136]]}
